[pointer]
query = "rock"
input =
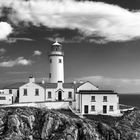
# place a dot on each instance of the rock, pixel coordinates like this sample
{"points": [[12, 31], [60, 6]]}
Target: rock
{"points": [[26, 123]]}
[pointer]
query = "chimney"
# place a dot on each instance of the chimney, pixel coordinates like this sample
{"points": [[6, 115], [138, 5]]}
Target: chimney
{"points": [[31, 79], [74, 82], [43, 82], [81, 82]]}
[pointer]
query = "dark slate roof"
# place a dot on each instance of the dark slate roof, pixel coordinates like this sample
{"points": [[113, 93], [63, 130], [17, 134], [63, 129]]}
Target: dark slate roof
{"points": [[14, 85], [96, 92], [71, 85], [48, 85], [45, 85]]}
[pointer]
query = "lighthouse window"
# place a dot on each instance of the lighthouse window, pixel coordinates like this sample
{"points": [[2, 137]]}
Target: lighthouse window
{"points": [[50, 60], [49, 75], [60, 61]]}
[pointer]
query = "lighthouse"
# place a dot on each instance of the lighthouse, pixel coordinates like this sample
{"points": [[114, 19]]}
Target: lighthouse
{"points": [[56, 63]]}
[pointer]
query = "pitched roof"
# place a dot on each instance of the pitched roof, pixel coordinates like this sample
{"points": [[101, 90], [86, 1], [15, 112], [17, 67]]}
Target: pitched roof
{"points": [[14, 85], [48, 85], [96, 92], [71, 85], [45, 85]]}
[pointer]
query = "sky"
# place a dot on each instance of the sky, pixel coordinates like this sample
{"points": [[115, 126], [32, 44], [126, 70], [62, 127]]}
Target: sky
{"points": [[100, 41]]}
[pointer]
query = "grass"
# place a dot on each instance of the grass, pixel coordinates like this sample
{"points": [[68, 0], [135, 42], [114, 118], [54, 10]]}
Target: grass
{"points": [[110, 120], [67, 112]]}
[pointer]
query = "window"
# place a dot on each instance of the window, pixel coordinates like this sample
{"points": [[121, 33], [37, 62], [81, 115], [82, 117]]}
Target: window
{"points": [[70, 103], [93, 108], [104, 98], [10, 91], [36, 92], [70, 95], [60, 61], [50, 60], [111, 108], [2, 98], [49, 94], [50, 75], [25, 92], [92, 98]]}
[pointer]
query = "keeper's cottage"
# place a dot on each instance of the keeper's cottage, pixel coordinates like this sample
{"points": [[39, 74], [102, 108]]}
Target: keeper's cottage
{"points": [[84, 98]]}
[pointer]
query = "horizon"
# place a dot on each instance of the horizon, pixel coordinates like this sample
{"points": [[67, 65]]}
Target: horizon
{"points": [[100, 47]]}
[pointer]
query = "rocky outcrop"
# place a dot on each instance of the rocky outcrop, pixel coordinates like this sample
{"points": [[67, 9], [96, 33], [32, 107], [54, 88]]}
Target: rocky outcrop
{"points": [[26, 123]]}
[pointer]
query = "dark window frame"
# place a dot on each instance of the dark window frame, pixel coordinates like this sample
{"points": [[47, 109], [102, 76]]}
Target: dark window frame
{"points": [[60, 60], [49, 94], [92, 99], [36, 92], [104, 98], [70, 95], [25, 92], [111, 108], [2, 98], [93, 108], [10, 91], [50, 60], [50, 75]]}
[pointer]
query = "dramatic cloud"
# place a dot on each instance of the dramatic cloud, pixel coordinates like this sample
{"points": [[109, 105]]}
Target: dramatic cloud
{"points": [[19, 61], [110, 22], [124, 85], [37, 52], [5, 30]]}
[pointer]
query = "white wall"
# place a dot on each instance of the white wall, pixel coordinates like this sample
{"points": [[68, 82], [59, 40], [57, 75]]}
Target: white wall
{"points": [[111, 100], [1, 91], [31, 93], [56, 69], [5, 98], [54, 93], [14, 93]]}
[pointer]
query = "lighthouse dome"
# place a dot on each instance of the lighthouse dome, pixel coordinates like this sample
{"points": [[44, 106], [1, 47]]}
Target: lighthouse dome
{"points": [[56, 48]]}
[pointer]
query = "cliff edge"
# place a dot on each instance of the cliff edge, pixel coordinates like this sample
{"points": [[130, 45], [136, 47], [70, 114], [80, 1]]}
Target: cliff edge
{"points": [[29, 123]]}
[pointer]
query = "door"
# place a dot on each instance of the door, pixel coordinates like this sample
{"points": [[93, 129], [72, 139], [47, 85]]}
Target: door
{"points": [[86, 109], [59, 96], [104, 109]]}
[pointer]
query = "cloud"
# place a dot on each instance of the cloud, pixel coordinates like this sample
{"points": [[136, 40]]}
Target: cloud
{"points": [[19, 61], [15, 39], [37, 53], [5, 30], [75, 39], [124, 85], [110, 22], [2, 51]]}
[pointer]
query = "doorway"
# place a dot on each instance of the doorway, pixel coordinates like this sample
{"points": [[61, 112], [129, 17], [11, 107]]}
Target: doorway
{"points": [[86, 109], [60, 96], [104, 109]]}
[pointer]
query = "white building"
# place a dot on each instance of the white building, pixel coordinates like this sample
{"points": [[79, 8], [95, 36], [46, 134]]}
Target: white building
{"points": [[5, 98], [32, 92], [60, 92], [85, 98]]}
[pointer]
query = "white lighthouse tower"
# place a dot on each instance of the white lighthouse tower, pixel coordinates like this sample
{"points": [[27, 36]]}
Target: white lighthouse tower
{"points": [[56, 63]]}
